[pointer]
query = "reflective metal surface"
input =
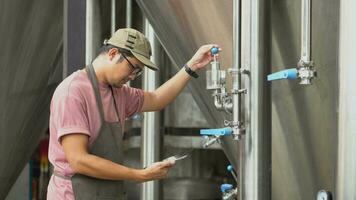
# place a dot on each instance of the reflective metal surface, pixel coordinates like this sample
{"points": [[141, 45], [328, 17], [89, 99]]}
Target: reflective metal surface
{"points": [[198, 176], [346, 168], [304, 119], [150, 132], [255, 170], [181, 37], [305, 50], [182, 26], [31, 66]]}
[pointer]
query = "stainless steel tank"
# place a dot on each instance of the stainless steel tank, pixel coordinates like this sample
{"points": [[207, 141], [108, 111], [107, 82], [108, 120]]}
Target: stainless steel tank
{"points": [[304, 118]]}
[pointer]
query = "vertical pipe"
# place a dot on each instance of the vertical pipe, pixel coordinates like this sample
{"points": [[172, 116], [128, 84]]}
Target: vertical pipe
{"points": [[236, 86], [256, 183], [128, 13], [92, 29], [150, 134], [236, 67], [305, 49], [89, 32], [65, 39], [346, 165], [128, 20], [74, 31], [113, 17]]}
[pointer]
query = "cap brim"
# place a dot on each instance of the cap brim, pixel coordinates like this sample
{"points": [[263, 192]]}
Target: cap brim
{"points": [[147, 62]]}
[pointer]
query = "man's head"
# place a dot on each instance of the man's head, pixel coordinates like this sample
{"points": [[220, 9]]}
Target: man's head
{"points": [[131, 51], [134, 42]]}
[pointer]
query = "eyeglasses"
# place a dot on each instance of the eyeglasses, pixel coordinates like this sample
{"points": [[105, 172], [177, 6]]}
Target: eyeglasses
{"points": [[137, 71]]}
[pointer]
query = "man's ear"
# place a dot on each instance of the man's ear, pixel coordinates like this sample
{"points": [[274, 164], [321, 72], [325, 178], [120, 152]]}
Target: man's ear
{"points": [[112, 53]]}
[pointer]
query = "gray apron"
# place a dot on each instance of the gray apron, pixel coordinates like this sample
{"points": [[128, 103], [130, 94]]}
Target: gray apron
{"points": [[108, 145]]}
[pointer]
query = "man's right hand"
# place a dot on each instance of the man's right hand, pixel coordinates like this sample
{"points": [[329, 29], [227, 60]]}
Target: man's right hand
{"points": [[157, 170]]}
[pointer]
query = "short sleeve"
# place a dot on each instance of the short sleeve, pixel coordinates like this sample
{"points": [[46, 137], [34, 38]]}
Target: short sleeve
{"points": [[133, 101], [69, 115]]}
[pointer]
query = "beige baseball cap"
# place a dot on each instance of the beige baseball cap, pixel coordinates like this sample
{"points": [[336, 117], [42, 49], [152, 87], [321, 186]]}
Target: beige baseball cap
{"points": [[134, 41]]}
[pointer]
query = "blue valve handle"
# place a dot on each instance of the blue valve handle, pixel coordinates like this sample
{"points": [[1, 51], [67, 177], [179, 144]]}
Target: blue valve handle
{"points": [[230, 168], [284, 74], [217, 132], [214, 50], [225, 187]]}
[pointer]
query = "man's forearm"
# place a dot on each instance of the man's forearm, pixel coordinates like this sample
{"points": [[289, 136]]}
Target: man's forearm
{"points": [[94, 166]]}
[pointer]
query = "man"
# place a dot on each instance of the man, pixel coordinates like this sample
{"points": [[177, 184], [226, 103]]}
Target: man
{"points": [[88, 112]]}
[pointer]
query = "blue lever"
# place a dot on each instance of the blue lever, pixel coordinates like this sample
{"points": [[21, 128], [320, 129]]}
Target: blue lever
{"points": [[284, 74], [225, 187], [214, 50], [230, 168], [217, 132]]}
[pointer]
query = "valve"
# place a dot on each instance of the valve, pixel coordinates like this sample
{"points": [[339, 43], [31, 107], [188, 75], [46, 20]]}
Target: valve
{"points": [[291, 74], [217, 132], [305, 73], [214, 51], [225, 187], [215, 78], [232, 171], [214, 135], [228, 192]]}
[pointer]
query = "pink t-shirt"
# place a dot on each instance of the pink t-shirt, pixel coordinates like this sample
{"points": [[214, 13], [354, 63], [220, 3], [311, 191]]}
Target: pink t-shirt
{"points": [[74, 110]]}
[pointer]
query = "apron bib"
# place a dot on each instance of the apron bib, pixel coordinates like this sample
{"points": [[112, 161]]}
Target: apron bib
{"points": [[108, 145]]}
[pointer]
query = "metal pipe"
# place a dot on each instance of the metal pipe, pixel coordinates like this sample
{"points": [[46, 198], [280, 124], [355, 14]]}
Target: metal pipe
{"points": [[113, 16], [236, 86], [89, 32], [256, 159], [128, 13], [305, 49], [150, 148], [65, 39], [128, 20], [236, 81], [346, 164]]}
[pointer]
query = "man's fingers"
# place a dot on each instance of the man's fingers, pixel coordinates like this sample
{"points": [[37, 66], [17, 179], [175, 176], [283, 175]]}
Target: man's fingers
{"points": [[169, 162]]}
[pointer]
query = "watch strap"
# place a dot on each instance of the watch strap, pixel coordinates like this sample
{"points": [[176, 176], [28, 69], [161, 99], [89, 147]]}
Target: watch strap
{"points": [[190, 71]]}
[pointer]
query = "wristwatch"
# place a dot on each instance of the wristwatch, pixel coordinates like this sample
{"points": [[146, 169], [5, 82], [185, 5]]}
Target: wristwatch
{"points": [[190, 71]]}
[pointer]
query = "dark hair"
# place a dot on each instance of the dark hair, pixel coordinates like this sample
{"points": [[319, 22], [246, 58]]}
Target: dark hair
{"points": [[106, 47]]}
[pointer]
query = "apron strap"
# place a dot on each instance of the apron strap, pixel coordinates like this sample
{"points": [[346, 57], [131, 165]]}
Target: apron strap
{"points": [[94, 83], [116, 110]]}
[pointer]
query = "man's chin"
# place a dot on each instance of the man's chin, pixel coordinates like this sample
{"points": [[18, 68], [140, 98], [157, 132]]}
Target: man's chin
{"points": [[118, 85]]}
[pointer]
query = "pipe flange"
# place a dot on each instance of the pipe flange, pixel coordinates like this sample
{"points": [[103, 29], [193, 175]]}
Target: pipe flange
{"points": [[240, 91], [234, 71]]}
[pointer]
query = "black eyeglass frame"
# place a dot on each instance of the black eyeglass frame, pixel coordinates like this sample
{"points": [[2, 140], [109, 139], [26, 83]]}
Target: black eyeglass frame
{"points": [[139, 70]]}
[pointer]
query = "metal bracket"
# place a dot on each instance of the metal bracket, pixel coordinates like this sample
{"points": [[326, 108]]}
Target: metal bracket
{"points": [[234, 71], [237, 127], [211, 140], [240, 91]]}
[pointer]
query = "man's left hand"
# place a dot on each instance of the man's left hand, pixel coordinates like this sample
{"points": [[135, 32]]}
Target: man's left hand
{"points": [[202, 57]]}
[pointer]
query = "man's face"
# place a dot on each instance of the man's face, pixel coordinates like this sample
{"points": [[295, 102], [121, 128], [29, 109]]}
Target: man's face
{"points": [[126, 69]]}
